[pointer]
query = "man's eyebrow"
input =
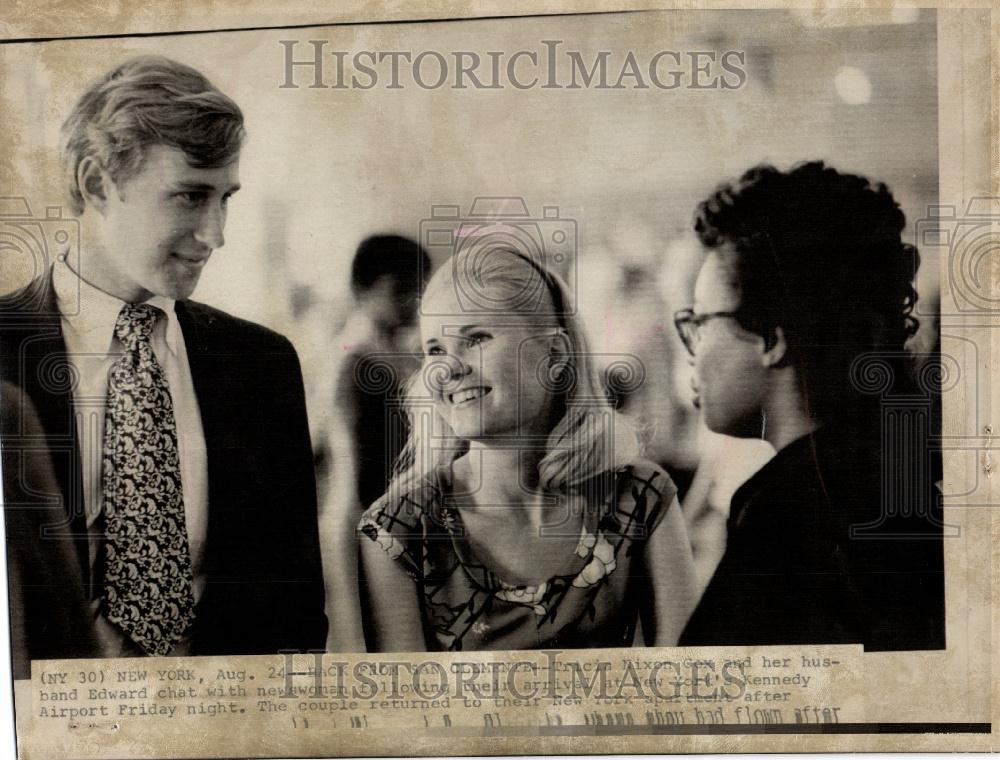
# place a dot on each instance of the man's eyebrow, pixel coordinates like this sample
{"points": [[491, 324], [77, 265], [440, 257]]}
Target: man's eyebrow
{"points": [[204, 187]]}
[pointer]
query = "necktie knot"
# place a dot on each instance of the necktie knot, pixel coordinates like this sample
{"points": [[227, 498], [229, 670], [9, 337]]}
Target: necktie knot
{"points": [[135, 323]]}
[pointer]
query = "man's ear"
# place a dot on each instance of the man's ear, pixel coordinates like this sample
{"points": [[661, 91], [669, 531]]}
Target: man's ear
{"points": [[94, 182], [775, 348]]}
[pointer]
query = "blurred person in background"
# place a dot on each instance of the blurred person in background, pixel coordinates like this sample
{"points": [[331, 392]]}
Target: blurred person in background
{"points": [[368, 427], [520, 515], [806, 273], [639, 331]]}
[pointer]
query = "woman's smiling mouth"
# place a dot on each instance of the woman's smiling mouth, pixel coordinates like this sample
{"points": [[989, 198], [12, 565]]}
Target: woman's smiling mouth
{"points": [[468, 395]]}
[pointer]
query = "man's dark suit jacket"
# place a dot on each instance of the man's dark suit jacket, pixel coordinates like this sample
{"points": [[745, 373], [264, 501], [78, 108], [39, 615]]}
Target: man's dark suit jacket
{"points": [[264, 583], [48, 601]]}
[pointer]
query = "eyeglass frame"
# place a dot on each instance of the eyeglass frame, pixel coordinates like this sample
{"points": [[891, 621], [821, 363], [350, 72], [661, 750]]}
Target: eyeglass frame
{"points": [[687, 323]]}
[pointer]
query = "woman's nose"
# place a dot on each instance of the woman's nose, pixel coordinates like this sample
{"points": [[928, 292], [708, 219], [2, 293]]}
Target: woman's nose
{"points": [[459, 367], [444, 374]]}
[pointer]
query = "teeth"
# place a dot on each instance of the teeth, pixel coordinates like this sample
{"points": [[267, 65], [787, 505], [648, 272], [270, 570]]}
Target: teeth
{"points": [[466, 395]]}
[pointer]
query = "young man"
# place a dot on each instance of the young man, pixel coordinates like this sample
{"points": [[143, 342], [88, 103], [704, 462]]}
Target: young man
{"points": [[807, 289], [179, 441]]}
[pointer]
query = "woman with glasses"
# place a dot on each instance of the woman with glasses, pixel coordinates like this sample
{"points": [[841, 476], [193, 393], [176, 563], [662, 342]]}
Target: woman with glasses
{"points": [[798, 336], [520, 515]]}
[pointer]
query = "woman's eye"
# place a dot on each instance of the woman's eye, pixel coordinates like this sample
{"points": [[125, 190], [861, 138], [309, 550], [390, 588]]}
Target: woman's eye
{"points": [[435, 351], [479, 338]]}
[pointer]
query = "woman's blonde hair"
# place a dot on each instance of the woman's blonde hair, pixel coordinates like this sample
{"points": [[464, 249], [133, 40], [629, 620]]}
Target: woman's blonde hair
{"points": [[589, 438]]}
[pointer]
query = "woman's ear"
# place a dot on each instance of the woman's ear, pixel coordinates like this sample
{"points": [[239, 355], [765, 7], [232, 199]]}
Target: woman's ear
{"points": [[775, 348], [558, 352], [94, 184]]}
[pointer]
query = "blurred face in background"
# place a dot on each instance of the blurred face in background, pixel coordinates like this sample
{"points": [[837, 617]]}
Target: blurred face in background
{"points": [[730, 379], [389, 303]]}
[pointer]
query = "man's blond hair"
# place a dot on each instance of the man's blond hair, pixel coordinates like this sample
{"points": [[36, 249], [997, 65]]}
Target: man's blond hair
{"points": [[149, 100]]}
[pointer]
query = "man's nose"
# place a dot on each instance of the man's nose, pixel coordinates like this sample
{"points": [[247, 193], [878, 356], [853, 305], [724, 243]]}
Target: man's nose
{"points": [[210, 227]]}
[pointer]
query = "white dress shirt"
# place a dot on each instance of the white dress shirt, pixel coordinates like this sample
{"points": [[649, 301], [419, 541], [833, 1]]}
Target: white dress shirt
{"points": [[88, 324]]}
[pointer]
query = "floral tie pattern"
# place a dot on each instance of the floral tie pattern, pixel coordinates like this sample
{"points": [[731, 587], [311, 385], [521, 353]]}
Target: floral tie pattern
{"points": [[148, 582]]}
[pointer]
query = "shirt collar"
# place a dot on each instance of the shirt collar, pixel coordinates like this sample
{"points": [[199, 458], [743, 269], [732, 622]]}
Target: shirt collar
{"points": [[91, 313]]}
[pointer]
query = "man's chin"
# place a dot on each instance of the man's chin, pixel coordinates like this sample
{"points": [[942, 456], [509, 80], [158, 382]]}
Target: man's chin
{"points": [[178, 289]]}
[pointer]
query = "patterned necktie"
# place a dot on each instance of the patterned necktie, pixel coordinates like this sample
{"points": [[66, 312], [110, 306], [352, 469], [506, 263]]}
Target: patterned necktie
{"points": [[148, 583]]}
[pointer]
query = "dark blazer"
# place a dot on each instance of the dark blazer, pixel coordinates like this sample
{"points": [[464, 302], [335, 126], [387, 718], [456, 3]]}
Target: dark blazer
{"points": [[794, 571], [49, 614], [264, 583]]}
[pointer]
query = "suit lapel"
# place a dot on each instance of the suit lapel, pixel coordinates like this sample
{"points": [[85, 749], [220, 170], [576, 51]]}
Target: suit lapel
{"points": [[204, 361], [196, 328]]}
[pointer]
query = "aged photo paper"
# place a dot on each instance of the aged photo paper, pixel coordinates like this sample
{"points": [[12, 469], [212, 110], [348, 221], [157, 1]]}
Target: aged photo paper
{"points": [[478, 378]]}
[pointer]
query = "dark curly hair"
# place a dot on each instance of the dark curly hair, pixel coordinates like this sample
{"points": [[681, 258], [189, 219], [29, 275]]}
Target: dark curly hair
{"points": [[819, 254]]}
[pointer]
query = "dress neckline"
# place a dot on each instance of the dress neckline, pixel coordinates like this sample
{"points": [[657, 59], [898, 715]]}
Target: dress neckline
{"points": [[576, 564]]}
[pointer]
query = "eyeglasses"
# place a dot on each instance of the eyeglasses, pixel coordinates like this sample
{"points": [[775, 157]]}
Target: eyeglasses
{"points": [[687, 324]]}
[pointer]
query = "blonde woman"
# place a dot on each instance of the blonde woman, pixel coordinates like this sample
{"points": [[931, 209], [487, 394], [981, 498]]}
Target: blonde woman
{"points": [[521, 515]]}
